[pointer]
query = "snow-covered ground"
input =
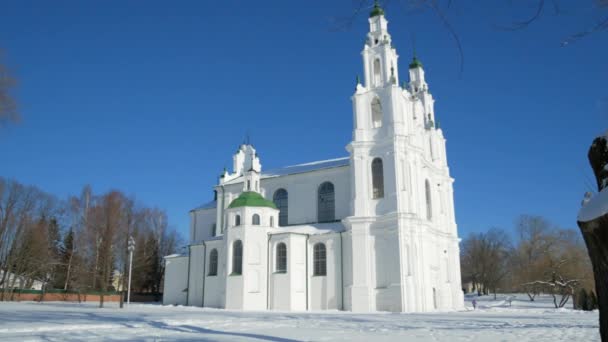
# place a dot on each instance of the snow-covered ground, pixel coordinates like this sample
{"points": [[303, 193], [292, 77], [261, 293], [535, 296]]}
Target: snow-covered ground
{"points": [[492, 321]]}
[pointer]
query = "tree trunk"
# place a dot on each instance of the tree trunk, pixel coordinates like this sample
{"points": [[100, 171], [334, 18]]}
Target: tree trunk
{"points": [[67, 276], [595, 234]]}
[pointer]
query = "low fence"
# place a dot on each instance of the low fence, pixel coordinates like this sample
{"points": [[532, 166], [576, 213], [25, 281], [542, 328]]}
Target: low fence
{"points": [[58, 295]]}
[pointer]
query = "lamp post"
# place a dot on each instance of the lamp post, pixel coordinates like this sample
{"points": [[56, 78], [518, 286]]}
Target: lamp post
{"points": [[130, 248]]}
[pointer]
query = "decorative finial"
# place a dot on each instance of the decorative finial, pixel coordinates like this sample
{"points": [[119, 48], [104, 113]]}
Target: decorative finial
{"points": [[247, 140], [377, 10]]}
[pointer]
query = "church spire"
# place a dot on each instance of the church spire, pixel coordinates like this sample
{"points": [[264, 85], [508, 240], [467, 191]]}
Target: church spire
{"points": [[377, 10], [379, 56]]}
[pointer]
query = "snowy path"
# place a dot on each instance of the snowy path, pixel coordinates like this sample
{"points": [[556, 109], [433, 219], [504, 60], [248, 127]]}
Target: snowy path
{"points": [[524, 321]]}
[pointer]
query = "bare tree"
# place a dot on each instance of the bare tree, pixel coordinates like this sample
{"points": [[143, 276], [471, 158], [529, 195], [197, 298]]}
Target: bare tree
{"points": [[484, 259]]}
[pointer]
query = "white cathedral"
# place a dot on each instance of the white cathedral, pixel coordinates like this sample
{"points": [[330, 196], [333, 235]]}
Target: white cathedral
{"points": [[374, 231]]}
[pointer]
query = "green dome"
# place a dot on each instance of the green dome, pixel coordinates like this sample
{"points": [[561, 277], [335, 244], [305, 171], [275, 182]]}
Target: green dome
{"points": [[415, 63], [377, 10], [251, 199]]}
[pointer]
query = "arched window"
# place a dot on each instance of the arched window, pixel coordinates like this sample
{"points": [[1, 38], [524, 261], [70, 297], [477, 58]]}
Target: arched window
{"points": [[271, 221], [237, 257], [376, 113], [319, 260], [213, 229], [237, 220], [429, 204], [248, 185], [213, 262], [377, 178], [281, 200], [377, 73], [255, 220], [281, 258], [326, 203]]}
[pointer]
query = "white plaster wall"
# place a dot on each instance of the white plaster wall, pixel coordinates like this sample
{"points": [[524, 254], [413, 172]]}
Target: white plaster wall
{"points": [[255, 268], [176, 281], [280, 283], [302, 192], [195, 287], [201, 224], [215, 285], [234, 283], [298, 288], [325, 292]]}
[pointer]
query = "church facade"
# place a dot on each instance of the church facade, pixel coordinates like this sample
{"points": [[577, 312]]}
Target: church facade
{"points": [[373, 231]]}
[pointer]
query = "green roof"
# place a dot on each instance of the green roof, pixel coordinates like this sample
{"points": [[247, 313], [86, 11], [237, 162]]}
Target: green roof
{"points": [[415, 63], [377, 10], [251, 199]]}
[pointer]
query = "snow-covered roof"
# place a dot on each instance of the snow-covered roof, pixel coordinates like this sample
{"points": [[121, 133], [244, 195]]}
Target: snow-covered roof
{"points": [[208, 205], [307, 167], [311, 229], [288, 170], [175, 256], [594, 207]]}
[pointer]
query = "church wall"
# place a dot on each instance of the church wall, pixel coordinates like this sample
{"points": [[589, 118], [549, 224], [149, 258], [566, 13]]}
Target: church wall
{"points": [[195, 286], [325, 292], [215, 285], [201, 224], [234, 283], [299, 285], [176, 281], [255, 263], [385, 264], [302, 193], [347, 269]]}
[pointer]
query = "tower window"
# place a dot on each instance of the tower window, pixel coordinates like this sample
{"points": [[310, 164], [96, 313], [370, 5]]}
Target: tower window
{"points": [[237, 257], [319, 259], [326, 199], [255, 220], [377, 72], [248, 185], [271, 221], [281, 200], [377, 178], [376, 113], [237, 220], [213, 262], [429, 204], [281, 258]]}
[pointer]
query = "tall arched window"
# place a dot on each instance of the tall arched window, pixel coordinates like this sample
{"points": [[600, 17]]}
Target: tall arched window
{"points": [[281, 200], [319, 260], [237, 220], [376, 113], [237, 257], [213, 262], [377, 73], [271, 221], [429, 204], [255, 220], [326, 211], [377, 178], [281, 258]]}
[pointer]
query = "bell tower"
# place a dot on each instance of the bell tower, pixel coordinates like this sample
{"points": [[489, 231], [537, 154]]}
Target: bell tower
{"points": [[402, 231]]}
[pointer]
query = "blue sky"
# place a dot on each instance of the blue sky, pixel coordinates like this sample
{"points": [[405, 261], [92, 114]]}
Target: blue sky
{"points": [[153, 97]]}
